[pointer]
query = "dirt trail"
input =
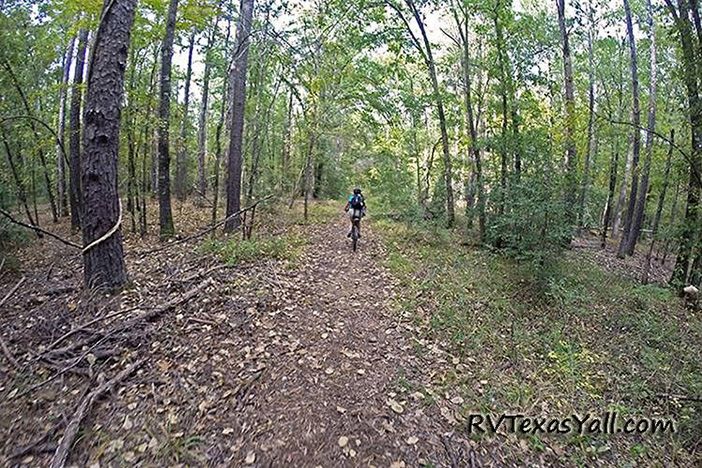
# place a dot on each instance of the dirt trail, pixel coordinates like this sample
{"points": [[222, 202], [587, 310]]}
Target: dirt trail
{"points": [[335, 388]]}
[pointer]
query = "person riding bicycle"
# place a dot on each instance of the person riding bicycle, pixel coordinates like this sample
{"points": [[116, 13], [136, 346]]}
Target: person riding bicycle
{"points": [[357, 206]]}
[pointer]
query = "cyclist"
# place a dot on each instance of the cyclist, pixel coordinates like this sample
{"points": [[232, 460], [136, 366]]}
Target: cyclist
{"points": [[357, 204]]}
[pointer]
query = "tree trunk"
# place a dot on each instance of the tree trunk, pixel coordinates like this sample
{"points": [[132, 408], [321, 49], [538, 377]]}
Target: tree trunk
{"points": [[640, 207], [218, 133], [685, 261], [582, 203], [571, 162], [181, 185], [238, 101], [636, 138], [287, 142], [165, 215], [74, 131], [62, 197], [477, 172], [21, 190], [610, 194], [39, 153], [659, 209], [202, 121], [104, 263], [429, 60]]}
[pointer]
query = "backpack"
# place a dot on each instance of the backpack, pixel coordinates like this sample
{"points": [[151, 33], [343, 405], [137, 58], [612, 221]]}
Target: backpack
{"points": [[357, 201]]}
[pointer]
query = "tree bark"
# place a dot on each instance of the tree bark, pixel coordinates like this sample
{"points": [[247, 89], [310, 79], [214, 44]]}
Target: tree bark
{"points": [[104, 263], [640, 207], [582, 205], [61, 196], [202, 121], [471, 125], [659, 209], [571, 161], [165, 215], [181, 185], [636, 137], [74, 131], [238, 97], [684, 272]]}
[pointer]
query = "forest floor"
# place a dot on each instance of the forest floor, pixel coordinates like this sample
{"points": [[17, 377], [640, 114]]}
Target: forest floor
{"points": [[291, 350]]}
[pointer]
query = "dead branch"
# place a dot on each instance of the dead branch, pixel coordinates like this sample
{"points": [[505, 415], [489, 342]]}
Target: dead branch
{"points": [[38, 229], [148, 316], [5, 349], [69, 435], [38, 444], [86, 326]]}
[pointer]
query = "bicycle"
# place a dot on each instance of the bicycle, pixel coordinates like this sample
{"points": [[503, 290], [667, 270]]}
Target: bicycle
{"points": [[355, 231]]}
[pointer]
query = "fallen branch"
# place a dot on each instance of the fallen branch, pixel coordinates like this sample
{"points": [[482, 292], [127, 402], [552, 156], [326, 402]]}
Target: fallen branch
{"points": [[208, 230], [37, 445], [38, 229], [5, 349], [84, 327], [133, 321], [69, 435]]}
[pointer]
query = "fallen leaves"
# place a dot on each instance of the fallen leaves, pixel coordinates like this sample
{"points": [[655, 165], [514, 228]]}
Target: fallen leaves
{"points": [[395, 406]]}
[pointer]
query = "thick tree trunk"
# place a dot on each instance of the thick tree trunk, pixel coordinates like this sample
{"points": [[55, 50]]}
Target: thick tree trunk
{"points": [[181, 185], [640, 207], [61, 195], [636, 139], [74, 131], [238, 97], [165, 215], [104, 263]]}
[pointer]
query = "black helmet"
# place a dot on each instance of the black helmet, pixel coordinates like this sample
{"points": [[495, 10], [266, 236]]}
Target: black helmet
{"points": [[356, 191]]}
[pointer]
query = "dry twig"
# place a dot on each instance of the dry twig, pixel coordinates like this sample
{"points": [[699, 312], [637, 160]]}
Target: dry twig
{"points": [[69, 435], [5, 349]]}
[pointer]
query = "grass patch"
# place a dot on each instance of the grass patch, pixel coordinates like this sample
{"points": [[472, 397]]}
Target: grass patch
{"points": [[576, 338], [237, 251]]}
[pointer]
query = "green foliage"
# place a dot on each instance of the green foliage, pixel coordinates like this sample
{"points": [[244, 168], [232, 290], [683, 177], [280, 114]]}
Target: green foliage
{"points": [[584, 340]]}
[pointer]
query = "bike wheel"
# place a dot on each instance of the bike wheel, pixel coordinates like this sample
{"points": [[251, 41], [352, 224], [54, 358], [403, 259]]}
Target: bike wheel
{"points": [[354, 238]]}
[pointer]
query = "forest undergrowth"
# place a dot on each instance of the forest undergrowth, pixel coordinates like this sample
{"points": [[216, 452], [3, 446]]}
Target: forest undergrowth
{"points": [[580, 335]]}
